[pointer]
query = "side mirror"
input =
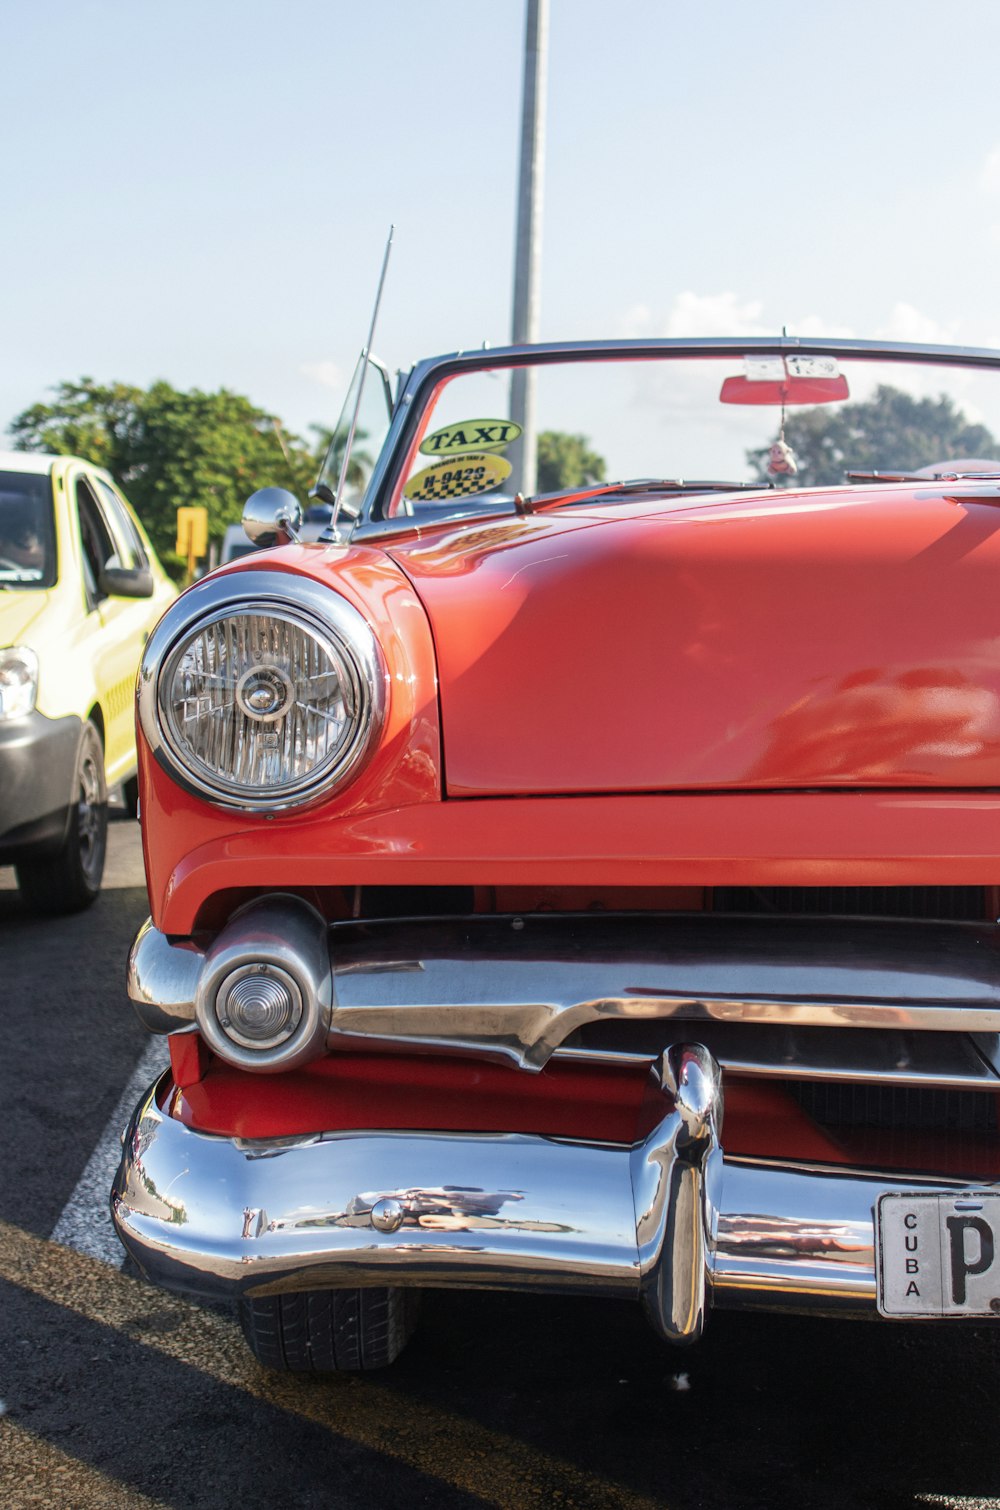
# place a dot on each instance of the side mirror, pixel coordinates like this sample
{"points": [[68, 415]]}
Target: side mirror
{"points": [[127, 581], [272, 516]]}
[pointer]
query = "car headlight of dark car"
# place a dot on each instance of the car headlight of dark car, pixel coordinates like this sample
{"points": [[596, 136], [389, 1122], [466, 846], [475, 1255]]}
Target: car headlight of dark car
{"points": [[262, 690]]}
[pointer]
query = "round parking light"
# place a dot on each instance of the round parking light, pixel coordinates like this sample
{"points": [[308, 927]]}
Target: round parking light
{"points": [[258, 1006]]}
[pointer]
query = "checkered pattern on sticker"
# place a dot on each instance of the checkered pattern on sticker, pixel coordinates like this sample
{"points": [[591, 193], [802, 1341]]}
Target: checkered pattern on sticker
{"points": [[449, 480]]}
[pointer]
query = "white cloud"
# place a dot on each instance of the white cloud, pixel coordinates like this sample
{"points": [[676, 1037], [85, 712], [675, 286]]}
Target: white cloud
{"points": [[639, 321], [326, 373], [814, 326], [989, 173], [727, 314], [724, 314], [694, 314], [714, 315], [905, 323]]}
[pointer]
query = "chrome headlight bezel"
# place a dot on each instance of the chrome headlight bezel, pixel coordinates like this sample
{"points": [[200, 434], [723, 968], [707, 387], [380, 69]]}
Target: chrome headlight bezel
{"points": [[304, 604]]}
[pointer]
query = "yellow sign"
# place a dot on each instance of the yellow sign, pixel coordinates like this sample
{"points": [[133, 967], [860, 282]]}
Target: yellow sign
{"points": [[471, 435], [192, 532], [462, 478]]}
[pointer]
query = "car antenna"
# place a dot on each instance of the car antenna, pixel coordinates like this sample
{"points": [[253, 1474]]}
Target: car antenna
{"points": [[365, 353]]}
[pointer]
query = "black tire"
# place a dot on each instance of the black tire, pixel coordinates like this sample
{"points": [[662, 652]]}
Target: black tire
{"points": [[70, 879], [329, 1331]]}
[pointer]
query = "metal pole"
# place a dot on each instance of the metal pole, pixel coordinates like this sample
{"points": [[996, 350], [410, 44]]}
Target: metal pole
{"points": [[528, 248], [362, 374]]}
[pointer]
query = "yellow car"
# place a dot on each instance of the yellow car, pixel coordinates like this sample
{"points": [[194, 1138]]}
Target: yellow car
{"points": [[80, 590]]}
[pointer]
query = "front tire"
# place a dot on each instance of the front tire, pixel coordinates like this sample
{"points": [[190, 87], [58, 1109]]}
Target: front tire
{"points": [[329, 1331], [70, 879]]}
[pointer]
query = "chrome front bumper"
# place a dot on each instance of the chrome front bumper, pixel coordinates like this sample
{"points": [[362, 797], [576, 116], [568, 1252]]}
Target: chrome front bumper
{"points": [[669, 1221]]}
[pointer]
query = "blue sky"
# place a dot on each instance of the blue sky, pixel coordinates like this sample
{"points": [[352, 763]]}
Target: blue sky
{"points": [[201, 192]]}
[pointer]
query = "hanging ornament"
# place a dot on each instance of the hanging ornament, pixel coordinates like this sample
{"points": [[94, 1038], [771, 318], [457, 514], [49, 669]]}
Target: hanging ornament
{"points": [[781, 458]]}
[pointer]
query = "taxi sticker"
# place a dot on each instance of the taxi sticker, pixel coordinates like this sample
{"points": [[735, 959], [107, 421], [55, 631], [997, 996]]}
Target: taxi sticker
{"points": [[812, 367], [462, 478], [471, 435], [776, 369]]}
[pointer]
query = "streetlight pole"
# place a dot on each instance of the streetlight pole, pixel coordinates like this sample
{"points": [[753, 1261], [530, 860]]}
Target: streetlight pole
{"points": [[528, 246]]}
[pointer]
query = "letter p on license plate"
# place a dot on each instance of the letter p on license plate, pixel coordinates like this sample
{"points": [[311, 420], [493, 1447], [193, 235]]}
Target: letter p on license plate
{"points": [[938, 1255]]}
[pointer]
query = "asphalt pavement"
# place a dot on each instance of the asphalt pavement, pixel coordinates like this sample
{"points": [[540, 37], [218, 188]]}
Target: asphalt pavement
{"points": [[115, 1394]]}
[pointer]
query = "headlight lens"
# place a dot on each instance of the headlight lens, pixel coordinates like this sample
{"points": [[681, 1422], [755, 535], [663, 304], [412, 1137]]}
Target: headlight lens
{"points": [[261, 704], [18, 681]]}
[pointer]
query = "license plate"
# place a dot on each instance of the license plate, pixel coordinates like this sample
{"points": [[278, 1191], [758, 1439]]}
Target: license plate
{"points": [[938, 1255]]}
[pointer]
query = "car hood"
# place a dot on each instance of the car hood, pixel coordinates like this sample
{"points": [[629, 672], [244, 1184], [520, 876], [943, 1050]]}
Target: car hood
{"points": [[19, 610], [850, 637]]}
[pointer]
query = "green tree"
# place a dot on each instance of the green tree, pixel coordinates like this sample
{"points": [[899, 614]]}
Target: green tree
{"points": [[362, 460], [167, 448], [891, 432], [566, 461]]}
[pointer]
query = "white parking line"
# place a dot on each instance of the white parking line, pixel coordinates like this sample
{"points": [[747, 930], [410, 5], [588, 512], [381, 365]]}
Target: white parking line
{"points": [[85, 1222]]}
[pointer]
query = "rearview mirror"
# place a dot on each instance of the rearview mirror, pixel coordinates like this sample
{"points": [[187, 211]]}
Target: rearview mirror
{"points": [[787, 390]]}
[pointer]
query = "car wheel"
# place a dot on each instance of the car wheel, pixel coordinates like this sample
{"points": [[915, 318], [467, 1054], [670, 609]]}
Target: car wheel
{"points": [[70, 879], [330, 1331]]}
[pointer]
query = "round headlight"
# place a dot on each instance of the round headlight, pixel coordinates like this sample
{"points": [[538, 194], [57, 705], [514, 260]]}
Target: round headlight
{"points": [[257, 700]]}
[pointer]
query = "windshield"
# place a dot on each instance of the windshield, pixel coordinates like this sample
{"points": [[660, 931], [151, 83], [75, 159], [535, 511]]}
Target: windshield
{"points": [[687, 422], [27, 535], [369, 435]]}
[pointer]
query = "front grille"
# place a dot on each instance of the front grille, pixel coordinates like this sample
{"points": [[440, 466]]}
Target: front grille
{"points": [[950, 903], [844, 1106]]}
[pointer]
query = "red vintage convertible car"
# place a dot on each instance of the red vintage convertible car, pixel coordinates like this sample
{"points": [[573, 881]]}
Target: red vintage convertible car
{"points": [[494, 840]]}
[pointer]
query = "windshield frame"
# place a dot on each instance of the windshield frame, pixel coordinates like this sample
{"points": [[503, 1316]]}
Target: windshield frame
{"points": [[425, 377]]}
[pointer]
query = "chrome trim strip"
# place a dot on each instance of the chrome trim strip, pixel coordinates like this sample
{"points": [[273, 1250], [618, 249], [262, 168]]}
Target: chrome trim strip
{"points": [[671, 1222], [516, 989]]}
